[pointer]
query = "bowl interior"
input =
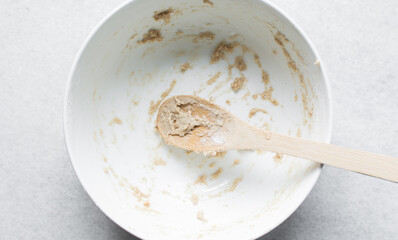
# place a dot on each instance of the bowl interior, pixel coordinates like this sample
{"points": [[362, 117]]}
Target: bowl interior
{"points": [[149, 50]]}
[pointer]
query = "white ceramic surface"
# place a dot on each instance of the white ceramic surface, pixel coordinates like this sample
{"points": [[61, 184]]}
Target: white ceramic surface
{"points": [[125, 166]]}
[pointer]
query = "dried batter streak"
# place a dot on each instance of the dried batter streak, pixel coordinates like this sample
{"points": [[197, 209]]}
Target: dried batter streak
{"points": [[281, 40], [153, 35], [213, 79], [235, 183], [206, 35], [221, 49], [253, 111], [217, 173], [267, 94], [155, 105], [257, 61], [137, 193]]}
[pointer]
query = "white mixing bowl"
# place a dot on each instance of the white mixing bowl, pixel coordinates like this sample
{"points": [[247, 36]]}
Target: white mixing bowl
{"points": [[121, 76]]}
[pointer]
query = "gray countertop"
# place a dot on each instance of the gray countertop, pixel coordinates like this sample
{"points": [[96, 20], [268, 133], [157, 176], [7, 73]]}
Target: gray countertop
{"points": [[41, 198]]}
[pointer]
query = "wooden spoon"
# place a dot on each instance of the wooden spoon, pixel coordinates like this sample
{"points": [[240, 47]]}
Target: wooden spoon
{"points": [[195, 124]]}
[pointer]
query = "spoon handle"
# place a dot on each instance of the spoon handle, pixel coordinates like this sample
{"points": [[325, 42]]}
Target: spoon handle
{"points": [[376, 165]]}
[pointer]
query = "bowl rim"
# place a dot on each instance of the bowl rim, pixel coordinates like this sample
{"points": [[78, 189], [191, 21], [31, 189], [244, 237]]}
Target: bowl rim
{"points": [[123, 5]]}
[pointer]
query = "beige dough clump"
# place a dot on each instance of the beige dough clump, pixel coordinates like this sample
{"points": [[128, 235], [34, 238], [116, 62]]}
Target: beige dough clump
{"points": [[208, 2], [182, 115], [238, 82], [184, 67], [153, 35], [163, 15], [240, 63]]}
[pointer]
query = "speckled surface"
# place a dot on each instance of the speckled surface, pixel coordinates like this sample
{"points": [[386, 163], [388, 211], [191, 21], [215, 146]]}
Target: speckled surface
{"points": [[41, 197]]}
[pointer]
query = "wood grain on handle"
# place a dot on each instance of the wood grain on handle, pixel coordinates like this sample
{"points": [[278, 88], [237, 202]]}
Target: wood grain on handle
{"points": [[372, 164]]}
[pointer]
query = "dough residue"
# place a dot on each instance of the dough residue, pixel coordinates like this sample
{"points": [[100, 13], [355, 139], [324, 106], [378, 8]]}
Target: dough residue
{"points": [[236, 162], [237, 83], [137, 193], [155, 105], [213, 79], [278, 157], [206, 35], [184, 67], [159, 162], [253, 111], [220, 154], [115, 120], [257, 61], [240, 63], [181, 115], [147, 204], [267, 94], [281, 40], [201, 179], [235, 183], [163, 15], [153, 35], [217, 173], [208, 2], [221, 49]]}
